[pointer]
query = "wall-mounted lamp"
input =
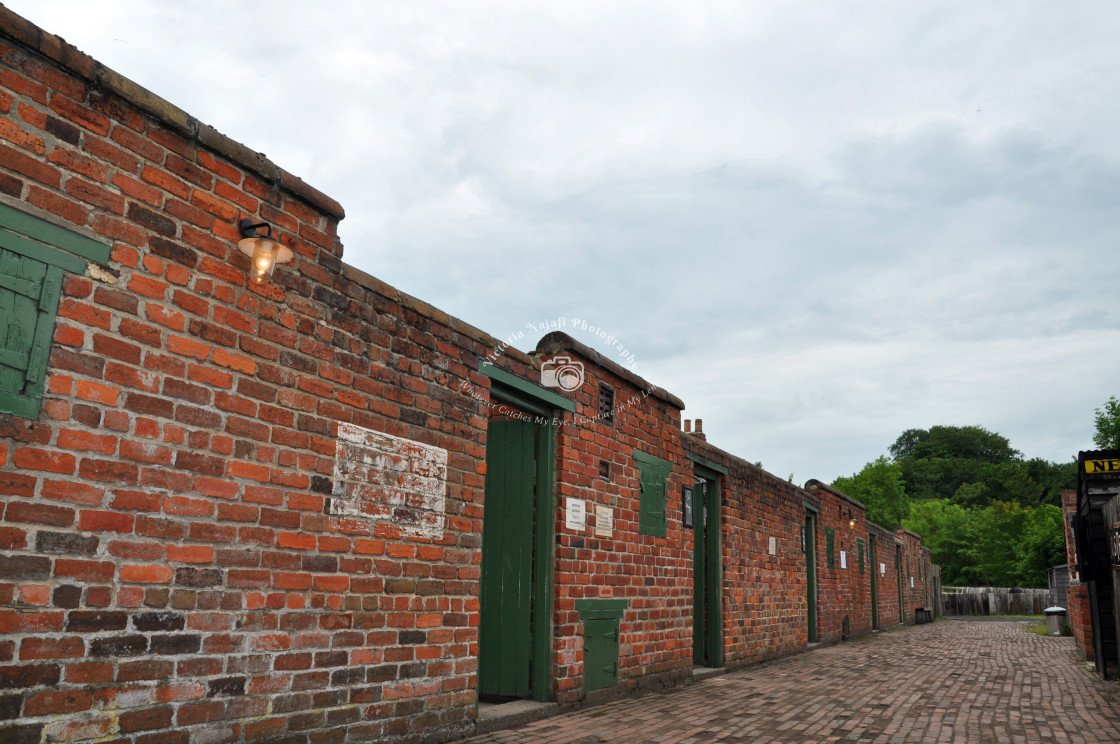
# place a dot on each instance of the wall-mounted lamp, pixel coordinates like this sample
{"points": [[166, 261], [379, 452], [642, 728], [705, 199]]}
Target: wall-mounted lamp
{"points": [[264, 251], [851, 519]]}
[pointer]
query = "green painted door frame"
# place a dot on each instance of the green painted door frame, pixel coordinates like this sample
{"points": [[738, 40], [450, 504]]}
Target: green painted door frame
{"points": [[707, 579], [898, 571], [509, 665], [811, 573], [873, 559]]}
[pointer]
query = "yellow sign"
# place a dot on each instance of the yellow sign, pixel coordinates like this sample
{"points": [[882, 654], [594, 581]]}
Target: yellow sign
{"points": [[1102, 466]]}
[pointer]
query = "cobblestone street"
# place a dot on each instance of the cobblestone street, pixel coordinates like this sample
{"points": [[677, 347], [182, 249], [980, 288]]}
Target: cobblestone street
{"points": [[951, 681]]}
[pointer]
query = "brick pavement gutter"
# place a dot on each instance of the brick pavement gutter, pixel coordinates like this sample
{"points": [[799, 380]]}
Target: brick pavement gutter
{"points": [[946, 682]]}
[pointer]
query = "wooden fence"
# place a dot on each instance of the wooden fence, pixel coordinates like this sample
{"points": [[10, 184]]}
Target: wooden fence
{"points": [[975, 601]]}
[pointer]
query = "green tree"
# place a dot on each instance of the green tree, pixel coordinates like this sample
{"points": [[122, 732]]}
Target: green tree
{"points": [[999, 529], [880, 489], [1042, 545], [1107, 420], [953, 442], [948, 530]]}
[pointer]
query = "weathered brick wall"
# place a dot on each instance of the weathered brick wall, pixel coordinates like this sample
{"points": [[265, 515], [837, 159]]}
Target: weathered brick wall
{"points": [[653, 574], [179, 550], [915, 575], [845, 589], [885, 567], [765, 600], [1077, 594]]}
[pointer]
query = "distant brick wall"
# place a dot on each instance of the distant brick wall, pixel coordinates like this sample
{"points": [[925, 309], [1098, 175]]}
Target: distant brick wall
{"points": [[915, 575], [764, 594], [886, 586], [845, 588], [1077, 594]]}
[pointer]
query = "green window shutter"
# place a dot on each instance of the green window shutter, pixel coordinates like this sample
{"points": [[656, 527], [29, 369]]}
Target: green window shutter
{"points": [[29, 292], [859, 549], [829, 545], [653, 477], [34, 254]]}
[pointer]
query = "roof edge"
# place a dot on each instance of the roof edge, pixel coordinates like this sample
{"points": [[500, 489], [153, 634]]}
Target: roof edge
{"points": [[56, 49]]}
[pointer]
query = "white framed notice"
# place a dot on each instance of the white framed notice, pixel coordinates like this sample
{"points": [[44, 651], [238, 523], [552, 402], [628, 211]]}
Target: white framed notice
{"points": [[843, 559], [575, 514], [882, 569], [773, 545]]}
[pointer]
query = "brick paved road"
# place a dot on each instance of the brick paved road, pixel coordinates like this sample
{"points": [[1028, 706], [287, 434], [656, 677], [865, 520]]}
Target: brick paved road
{"points": [[946, 682]]}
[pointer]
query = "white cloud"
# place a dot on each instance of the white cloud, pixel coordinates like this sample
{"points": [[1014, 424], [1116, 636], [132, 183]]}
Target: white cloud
{"points": [[819, 224]]}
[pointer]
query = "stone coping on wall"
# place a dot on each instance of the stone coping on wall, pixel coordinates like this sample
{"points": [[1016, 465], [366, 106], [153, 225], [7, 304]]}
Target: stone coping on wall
{"points": [[103, 78]]}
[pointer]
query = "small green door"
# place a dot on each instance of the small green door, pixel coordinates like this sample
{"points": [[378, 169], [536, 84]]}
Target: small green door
{"points": [[707, 597], [508, 526], [811, 573], [873, 560], [600, 654]]}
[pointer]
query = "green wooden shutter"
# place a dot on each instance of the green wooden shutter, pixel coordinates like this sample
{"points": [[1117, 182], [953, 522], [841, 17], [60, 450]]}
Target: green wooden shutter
{"points": [[859, 549], [653, 477], [31, 271], [829, 543]]}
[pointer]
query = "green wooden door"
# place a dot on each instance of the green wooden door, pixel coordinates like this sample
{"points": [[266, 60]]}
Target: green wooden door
{"points": [[874, 561], [811, 574], [506, 623], [29, 290], [707, 596]]}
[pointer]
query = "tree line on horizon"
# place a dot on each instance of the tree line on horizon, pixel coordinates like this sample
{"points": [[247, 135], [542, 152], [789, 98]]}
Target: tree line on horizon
{"points": [[989, 516]]}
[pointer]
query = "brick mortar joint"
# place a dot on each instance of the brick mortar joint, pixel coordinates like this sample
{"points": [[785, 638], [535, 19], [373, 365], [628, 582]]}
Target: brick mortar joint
{"points": [[70, 58]]}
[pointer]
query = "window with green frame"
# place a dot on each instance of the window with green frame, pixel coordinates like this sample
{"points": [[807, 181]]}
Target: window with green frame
{"points": [[830, 547], [34, 255], [653, 479]]}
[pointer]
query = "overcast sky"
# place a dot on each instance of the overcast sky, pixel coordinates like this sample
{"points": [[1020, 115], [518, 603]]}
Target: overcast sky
{"points": [[819, 224]]}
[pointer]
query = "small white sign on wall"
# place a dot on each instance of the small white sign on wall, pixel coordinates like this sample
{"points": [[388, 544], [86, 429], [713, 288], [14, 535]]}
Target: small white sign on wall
{"points": [[882, 569], [843, 559], [575, 514], [604, 520], [773, 546], [911, 582]]}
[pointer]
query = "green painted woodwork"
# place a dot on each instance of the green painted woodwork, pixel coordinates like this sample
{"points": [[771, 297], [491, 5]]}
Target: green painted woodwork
{"points": [[505, 633], [829, 547], [537, 398], [33, 256], [859, 550], [653, 478], [707, 595], [515, 633], [29, 294], [874, 561], [601, 620], [811, 573], [53, 235], [898, 574]]}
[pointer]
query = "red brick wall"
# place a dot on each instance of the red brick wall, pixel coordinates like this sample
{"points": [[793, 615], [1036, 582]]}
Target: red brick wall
{"points": [[653, 574], [1077, 594], [887, 579], [844, 592], [915, 575], [765, 600], [173, 558]]}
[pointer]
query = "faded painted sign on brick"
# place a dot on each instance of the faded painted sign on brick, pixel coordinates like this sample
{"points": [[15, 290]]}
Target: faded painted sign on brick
{"points": [[391, 479]]}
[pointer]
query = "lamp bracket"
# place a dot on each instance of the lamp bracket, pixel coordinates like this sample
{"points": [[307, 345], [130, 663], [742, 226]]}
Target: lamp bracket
{"points": [[249, 229]]}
